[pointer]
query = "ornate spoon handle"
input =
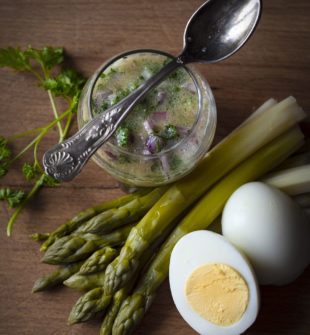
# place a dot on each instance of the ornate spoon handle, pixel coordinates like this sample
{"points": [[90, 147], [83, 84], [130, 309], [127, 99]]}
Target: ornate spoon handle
{"points": [[65, 160]]}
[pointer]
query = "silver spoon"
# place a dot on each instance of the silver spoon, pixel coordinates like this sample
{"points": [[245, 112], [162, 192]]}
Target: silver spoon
{"points": [[215, 31]]}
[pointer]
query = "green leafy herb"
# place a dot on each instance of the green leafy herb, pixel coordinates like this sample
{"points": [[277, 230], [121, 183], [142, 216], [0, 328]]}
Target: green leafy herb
{"points": [[67, 84], [112, 70], [174, 162], [30, 171], [49, 181], [12, 197], [5, 152], [152, 68], [166, 61], [133, 86], [19, 60], [121, 94], [170, 132], [122, 136], [178, 75], [104, 106], [3, 169], [15, 59], [47, 57], [3, 141]]}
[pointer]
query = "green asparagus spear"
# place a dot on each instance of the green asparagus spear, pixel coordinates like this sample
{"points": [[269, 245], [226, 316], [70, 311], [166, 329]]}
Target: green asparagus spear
{"points": [[89, 305], [118, 299], [98, 261], [200, 217], [86, 307], [85, 282], [116, 217], [74, 248], [55, 278], [71, 225], [220, 160], [40, 237], [153, 224], [131, 313], [120, 296]]}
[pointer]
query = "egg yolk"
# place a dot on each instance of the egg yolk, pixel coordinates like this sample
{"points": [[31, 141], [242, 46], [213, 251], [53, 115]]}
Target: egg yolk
{"points": [[218, 293]]}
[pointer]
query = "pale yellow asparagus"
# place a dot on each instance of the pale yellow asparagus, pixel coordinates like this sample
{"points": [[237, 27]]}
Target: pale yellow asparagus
{"points": [[292, 181]]}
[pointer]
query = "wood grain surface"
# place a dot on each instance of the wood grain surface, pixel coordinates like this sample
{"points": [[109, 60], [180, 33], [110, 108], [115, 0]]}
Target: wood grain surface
{"points": [[274, 63]]}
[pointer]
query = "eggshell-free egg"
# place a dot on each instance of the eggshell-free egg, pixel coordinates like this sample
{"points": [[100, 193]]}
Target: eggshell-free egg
{"points": [[203, 248], [270, 229]]}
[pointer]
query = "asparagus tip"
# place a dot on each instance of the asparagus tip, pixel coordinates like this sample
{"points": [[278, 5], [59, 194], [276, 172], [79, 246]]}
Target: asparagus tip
{"points": [[71, 320], [43, 248], [37, 286], [35, 290]]}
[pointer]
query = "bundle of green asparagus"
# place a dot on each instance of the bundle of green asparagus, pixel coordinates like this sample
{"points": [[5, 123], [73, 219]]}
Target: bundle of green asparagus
{"points": [[121, 261]]}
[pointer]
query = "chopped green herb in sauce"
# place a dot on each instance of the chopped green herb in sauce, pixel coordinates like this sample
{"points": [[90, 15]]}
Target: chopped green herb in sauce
{"points": [[170, 132], [122, 136], [160, 113]]}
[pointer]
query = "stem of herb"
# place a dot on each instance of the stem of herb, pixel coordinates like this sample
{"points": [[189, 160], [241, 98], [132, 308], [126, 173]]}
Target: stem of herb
{"points": [[43, 132], [36, 74], [14, 216], [35, 152], [27, 147], [67, 127], [52, 101], [24, 133], [61, 132]]}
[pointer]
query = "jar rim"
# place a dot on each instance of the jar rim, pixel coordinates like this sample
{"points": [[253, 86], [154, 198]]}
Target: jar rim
{"points": [[192, 72]]}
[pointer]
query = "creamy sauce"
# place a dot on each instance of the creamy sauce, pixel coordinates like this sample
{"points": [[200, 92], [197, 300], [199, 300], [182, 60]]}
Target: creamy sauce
{"points": [[163, 118]]}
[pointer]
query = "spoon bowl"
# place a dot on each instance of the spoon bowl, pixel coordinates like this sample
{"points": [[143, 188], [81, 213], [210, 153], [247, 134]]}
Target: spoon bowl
{"points": [[219, 28]]}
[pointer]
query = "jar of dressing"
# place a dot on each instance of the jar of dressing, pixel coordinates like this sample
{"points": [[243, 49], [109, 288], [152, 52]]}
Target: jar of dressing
{"points": [[166, 134]]}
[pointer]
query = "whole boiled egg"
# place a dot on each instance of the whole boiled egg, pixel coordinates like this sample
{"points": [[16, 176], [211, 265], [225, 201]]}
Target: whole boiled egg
{"points": [[270, 229], [213, 285]]}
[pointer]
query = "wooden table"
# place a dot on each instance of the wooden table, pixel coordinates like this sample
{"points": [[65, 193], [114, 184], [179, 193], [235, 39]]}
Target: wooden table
{"points": [[275, 63]]}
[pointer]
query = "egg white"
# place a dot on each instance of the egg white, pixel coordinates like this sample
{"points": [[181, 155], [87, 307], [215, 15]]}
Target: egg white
{"points": [[205, 247], [270, 229]]}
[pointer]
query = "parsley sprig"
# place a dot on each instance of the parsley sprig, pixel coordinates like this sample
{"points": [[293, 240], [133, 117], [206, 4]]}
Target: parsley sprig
{"points": [[46, 65]]}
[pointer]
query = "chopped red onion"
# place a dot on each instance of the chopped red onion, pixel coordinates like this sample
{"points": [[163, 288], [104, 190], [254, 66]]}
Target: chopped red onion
{"points": [[154, 144], [183, 131], [159, 116], [165, 164], [111, 155], [148, 127]]}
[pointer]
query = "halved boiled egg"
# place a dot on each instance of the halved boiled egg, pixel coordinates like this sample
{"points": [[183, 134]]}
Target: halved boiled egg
{"points": [[213, 285]]}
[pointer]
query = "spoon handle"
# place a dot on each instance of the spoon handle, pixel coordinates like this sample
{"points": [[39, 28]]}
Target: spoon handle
{"points": [[65, 160]]}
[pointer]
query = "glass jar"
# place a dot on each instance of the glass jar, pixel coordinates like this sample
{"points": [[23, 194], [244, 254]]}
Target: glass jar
{"points": [[147, 168]]}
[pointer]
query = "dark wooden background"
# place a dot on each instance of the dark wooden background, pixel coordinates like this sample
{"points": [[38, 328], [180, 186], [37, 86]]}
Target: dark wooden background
{"points": [[275, 63]]}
